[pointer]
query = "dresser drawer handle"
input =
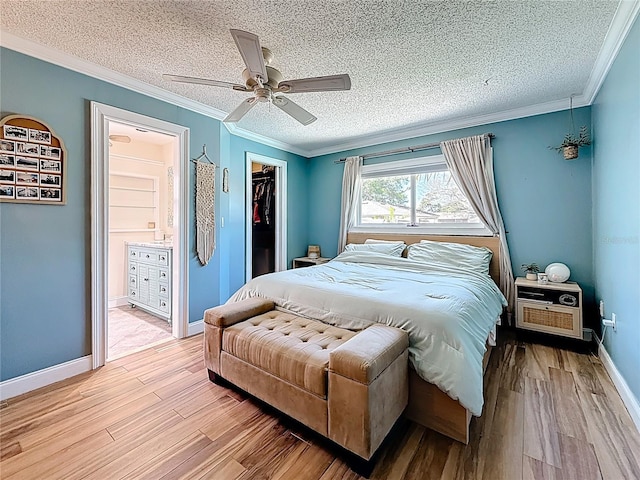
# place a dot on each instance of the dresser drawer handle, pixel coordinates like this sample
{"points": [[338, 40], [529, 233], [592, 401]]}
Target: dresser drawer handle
{"points": [[147, 256], [133, 294], [146, 279]]}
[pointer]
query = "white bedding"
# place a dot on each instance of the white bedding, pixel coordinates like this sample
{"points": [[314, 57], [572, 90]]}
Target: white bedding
{"points": [[447, 311]]}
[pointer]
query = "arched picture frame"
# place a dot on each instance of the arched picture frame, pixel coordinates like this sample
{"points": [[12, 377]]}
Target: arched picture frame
{"points": [[33, 162]]}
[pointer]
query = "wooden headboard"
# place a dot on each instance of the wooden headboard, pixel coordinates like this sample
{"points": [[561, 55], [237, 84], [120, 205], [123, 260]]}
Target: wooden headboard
{"points": [[492, 243]]}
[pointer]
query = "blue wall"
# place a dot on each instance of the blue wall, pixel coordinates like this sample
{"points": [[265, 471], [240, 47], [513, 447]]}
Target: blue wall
{"points": [[546, 203], [45, 303], [297, 223], [616, 206], [545, 200]]}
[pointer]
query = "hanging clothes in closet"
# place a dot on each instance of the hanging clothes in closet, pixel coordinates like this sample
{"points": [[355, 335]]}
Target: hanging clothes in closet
{"points": [[264, 228], [263, 193]]}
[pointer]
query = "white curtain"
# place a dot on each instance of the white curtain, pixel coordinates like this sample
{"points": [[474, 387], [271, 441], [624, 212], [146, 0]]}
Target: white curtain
{"points": [[470, 161], [350, 197]]}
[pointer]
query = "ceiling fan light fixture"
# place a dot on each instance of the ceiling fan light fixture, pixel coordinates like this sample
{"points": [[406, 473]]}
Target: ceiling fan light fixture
{"points": [[262, 95]]}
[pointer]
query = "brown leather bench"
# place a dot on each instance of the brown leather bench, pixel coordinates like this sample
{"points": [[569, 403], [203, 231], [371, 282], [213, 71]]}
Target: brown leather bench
{"points": [[349, 386]]}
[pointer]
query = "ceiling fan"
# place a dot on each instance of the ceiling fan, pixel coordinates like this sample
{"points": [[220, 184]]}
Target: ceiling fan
{"points": [[265, 82]]}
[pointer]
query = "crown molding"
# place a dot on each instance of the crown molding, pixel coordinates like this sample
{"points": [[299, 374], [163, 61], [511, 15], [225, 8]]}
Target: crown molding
{"points": [[268, 141], [622, 22], [57, 57], [421, 130]]}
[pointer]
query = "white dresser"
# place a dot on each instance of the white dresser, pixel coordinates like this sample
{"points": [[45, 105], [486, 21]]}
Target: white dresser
{"points": [[149, 277]]}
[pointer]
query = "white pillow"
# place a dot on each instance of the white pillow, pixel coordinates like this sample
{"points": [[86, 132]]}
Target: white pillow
{"points": [[457, 255], [375, 240], [393, 249], [399, 243]]}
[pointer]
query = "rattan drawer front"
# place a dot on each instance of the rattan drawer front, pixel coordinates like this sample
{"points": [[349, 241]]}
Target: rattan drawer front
{"points": [[547, 318], [556, 319]]}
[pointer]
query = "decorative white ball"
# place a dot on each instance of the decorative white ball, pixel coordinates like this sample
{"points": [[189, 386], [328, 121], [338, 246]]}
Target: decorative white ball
{"points": [[557, 272]]}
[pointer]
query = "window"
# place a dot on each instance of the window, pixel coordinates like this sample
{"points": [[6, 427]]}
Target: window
{"points": [[419, 194]]}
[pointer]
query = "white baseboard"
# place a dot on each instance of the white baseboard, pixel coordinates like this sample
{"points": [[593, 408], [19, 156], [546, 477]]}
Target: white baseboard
{"points": [[118, 302], [628, 398], [195, 328], [25, 383]]}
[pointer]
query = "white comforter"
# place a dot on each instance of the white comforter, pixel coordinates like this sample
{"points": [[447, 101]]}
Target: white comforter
{"points": [[448, 312]]}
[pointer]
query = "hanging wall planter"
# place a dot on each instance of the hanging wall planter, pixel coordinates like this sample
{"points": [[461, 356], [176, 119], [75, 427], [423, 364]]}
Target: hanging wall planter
{"points": [[570, 152], [571, 143]]}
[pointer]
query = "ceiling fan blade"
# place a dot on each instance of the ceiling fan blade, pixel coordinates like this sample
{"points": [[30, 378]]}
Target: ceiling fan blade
{"points": [[203, 81], [241, 111], [249, 46], [293, 109], [316, 84]]}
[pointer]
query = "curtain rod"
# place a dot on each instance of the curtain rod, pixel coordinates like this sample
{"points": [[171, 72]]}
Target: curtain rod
{"points": [[397, 151]]}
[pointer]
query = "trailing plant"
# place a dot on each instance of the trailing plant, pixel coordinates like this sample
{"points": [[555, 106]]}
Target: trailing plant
{"points": [[571, 140]]}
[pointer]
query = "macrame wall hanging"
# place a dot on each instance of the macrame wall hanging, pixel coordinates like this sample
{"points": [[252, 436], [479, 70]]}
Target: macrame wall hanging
{"points": [[205, 207]]}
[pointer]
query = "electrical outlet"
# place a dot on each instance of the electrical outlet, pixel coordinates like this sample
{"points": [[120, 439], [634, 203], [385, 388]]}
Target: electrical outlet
{"points": [[610, 323], [601, 308]]}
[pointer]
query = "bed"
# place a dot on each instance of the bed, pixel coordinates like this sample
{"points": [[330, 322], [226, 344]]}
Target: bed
{"points": [[448, 313]]}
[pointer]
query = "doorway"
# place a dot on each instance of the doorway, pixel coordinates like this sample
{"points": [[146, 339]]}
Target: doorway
{"points": [[140, 238], [266, 234], [139, 232]]}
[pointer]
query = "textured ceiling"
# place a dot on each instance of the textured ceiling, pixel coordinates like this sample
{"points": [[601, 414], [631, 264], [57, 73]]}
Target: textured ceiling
{"points": [[411, 62]]}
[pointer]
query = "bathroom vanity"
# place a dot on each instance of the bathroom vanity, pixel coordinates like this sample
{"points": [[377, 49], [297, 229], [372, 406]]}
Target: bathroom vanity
{"points": [[149, 277]]}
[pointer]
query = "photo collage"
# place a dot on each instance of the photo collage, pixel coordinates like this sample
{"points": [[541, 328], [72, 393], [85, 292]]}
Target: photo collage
{"points": [[30, 167]]}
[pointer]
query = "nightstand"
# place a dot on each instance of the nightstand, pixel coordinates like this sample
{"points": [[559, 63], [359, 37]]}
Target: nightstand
{"points": [[554, 308], [308, 262]]}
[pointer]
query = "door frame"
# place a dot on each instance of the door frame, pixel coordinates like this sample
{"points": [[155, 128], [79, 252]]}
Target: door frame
{"points": [[101, 116], [281, 212]]}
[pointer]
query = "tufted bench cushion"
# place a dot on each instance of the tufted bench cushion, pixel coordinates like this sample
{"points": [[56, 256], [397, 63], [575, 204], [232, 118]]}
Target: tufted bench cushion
{"points": [[348, 386], [292, 348]]}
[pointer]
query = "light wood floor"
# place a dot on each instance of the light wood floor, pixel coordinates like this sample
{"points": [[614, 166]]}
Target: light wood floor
{"points": [[549, 414]]}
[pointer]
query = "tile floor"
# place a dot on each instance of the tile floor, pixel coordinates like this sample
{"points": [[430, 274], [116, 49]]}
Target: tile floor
{"points": [[131, 329]]}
